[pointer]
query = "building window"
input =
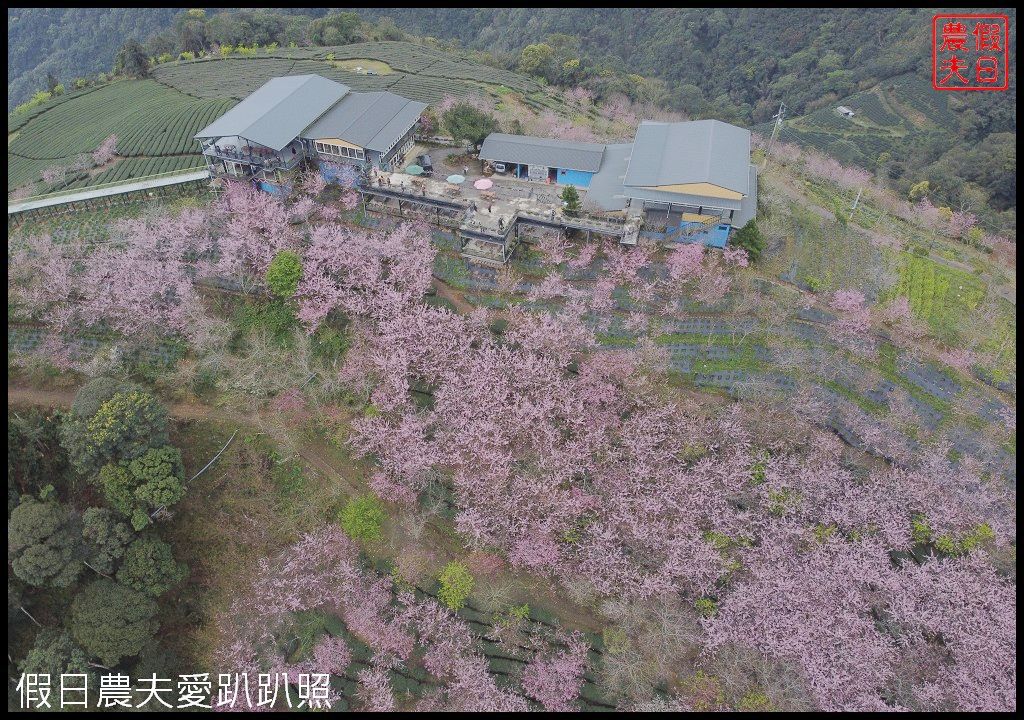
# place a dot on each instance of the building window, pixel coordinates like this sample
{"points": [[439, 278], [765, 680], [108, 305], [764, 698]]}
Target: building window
{"points": [[338, 150]]}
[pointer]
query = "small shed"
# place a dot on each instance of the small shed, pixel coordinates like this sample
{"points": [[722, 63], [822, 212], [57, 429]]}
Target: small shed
{"points": [[543, 159]]}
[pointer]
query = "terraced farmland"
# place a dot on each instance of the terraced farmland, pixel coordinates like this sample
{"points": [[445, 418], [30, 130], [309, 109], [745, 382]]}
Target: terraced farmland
{"points": [[937, 293], [420, 73], [155, 120], [885, 116], [154, 125]]}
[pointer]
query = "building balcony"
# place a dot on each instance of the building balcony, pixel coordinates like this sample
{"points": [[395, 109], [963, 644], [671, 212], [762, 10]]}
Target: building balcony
{"points": [[257, 161]]}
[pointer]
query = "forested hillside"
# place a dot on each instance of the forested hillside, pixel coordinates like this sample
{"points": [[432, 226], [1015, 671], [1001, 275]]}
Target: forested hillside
{"points": [[70, 41]]}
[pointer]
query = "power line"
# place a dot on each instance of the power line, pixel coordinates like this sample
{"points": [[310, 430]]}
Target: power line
{"points": [[778, 117]]}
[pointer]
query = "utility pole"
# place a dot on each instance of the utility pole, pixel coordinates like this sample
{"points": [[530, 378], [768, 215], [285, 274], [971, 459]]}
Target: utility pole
{"points": [[778, 118], [856, 202]]}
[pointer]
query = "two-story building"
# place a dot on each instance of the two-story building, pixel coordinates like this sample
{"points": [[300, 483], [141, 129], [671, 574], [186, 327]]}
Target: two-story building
{"points": [[268, 135]]}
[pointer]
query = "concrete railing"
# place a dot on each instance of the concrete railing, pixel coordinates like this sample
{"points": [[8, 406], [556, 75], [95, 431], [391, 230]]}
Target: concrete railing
{"points": [[102, 186]]}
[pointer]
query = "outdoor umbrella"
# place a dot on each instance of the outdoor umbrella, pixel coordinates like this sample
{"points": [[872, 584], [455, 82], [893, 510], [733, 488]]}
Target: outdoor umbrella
{"points": [[483, 184], [414, 170], [456, 179]]}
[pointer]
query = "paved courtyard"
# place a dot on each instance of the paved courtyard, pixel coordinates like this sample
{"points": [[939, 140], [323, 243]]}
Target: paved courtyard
{"points": [[490, 210]]}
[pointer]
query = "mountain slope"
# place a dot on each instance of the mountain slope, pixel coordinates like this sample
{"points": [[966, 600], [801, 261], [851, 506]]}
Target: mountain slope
{"points": [[70, 42]]}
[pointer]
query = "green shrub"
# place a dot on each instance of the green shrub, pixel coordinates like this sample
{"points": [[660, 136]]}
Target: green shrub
{"points": [[362, 518], [158, 474], [571, 199], [754, 700], [94, 393], [465, 122], [123, 428], [456, 585], [204, 380], [111, 621], [275, 318], [43, 546], [288, 477], [706, 606], [118, 488], [814, 284], [149, 566], [284, 273], [749, 238]]}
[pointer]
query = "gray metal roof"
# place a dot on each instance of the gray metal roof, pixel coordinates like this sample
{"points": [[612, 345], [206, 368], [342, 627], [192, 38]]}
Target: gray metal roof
{"points": [[605, 191], [701, 151], [276, 113], [372, 120], [526, 150]]}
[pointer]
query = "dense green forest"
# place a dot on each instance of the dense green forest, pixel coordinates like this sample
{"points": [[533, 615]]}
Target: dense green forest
{"points": [[92, 574], [70, 42]]}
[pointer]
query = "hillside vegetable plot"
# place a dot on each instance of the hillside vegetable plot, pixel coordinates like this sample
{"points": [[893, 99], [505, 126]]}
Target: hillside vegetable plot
{"points": [[937, 293]]}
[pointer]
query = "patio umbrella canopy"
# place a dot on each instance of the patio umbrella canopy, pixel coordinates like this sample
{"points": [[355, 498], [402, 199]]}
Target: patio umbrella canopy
{"points": [[414, 170], [456, 179], [483, 184]]}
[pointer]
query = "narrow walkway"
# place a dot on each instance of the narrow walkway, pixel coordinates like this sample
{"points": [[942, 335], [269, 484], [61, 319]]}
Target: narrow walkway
{"points": [[99, 192]]}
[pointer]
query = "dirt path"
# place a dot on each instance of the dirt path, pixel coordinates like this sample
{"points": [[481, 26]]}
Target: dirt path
{"points": [[452, 295], [20, 395]]}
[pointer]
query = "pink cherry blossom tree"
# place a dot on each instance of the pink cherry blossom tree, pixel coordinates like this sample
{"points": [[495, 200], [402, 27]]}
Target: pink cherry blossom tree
{"points": [[555, 679], [105, 152]]}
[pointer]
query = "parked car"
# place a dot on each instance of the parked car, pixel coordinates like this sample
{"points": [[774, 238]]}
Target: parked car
{"points": [[424, 162]]}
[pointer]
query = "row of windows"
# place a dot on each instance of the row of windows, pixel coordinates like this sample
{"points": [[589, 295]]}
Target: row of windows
{"points": [[404, 149], [340, 150]]}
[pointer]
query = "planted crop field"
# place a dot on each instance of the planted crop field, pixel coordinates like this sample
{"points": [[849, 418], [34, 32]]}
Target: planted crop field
{"points": [[419, 73], [232, 77], [869, 106], [124, 108], [16, 121], [916, 94], [937, 293]]}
